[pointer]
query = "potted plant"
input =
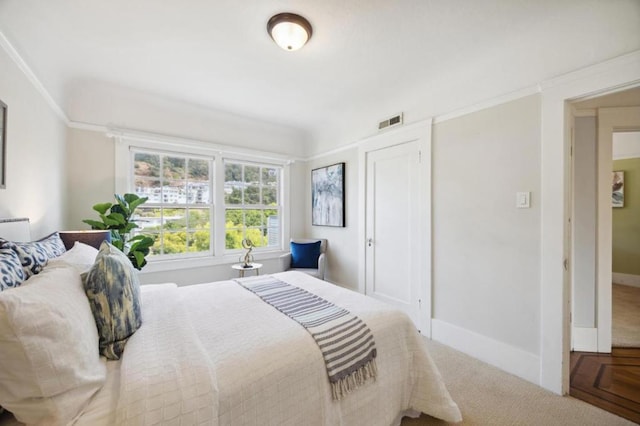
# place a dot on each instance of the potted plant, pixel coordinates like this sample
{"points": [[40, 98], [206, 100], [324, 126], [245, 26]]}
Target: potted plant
{"points": [[117, 217]]}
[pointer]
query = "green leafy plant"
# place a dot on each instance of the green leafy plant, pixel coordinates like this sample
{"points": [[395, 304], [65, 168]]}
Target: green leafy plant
{"points": [[117, 217]]}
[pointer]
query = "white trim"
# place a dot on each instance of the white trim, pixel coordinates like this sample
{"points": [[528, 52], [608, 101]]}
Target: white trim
{"points": [[591, 112], [626, 279], [22, 65], [497, 100], [615, 74], [627, 157], [584, 339], [163, 265], [88, 126], [598, 70], [367, 139], [209, 147], [505, 357]]}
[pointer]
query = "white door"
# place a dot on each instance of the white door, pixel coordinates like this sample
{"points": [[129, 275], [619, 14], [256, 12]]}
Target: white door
{"points": [[393, 237]]}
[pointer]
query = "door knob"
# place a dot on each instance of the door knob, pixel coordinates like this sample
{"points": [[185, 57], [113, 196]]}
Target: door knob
{"points": [[370, 242]]}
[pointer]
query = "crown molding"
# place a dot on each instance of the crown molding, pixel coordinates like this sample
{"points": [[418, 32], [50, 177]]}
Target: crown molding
{"points": [[22, 65], [491, 102], [171, 141], [88, 126], [595, 69]]}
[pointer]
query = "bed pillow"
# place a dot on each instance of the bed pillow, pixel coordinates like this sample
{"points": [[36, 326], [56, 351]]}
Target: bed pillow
{"points": [[34, 255], [113, 290], [81, 256], [11, 272], [50, 366], [305, 255]]}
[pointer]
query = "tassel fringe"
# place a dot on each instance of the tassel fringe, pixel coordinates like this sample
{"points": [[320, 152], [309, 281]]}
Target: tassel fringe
{"points": [[354, 380]]}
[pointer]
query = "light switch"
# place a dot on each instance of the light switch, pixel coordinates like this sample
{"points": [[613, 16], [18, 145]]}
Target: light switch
{"points": [[523, 200]]}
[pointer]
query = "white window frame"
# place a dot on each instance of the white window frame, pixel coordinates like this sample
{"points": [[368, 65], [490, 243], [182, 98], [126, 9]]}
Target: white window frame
{"points": [[134, 149], [279, 208], [126, 140]]}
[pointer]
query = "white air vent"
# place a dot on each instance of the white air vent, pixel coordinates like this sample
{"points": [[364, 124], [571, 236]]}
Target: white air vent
{"points": [[396, 120]]}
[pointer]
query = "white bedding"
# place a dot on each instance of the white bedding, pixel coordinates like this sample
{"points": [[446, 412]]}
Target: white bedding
{"points": [[216, 354]]}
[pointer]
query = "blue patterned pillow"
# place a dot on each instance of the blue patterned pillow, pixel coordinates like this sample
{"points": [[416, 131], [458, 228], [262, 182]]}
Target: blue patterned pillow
{"points": [[11, 272], [34, 255], [113, 290], [52, 245]]}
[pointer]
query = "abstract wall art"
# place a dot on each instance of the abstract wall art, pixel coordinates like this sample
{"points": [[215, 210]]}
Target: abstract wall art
{"points": [[617, 189], [327, 195]]}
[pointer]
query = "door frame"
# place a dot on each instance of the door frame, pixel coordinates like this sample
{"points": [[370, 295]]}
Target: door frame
{"points": [[420, 132], [555, 286]]}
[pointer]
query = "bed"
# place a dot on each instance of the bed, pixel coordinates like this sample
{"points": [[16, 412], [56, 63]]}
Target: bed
{"points": [[217, 354]]}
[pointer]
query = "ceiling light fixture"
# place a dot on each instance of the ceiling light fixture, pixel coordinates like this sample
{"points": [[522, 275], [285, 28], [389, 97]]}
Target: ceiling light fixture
{"points": [[289, 31]]}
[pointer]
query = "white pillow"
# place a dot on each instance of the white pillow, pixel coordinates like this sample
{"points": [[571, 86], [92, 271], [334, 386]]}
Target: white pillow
{"points": [[81, 256], [49, 361]]}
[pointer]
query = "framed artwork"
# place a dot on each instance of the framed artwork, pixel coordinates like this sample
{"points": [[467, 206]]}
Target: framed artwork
{"points": [[3, 144], [617, 194], [327, 195]]}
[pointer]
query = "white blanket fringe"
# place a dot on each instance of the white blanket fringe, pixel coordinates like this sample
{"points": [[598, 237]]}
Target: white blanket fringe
{"points": [[354, 380]]}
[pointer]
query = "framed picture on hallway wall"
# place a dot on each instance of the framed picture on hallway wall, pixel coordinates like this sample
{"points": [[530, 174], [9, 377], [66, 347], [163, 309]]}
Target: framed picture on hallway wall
{"points": [[617, 194], [327, 195], [3, 144]]}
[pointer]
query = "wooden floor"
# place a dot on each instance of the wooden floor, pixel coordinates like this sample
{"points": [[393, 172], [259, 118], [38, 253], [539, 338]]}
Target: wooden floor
{"points": [[609, 381]]}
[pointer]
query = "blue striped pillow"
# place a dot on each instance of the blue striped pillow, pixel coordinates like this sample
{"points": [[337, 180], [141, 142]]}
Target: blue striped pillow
{"points": [[113, 289]]}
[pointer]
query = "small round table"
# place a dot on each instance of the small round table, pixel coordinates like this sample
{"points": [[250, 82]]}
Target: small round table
{"points": [[252, 267]]}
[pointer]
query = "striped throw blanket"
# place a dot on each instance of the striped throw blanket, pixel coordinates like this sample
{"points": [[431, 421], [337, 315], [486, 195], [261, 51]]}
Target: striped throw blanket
{"points": [[345, 341]]}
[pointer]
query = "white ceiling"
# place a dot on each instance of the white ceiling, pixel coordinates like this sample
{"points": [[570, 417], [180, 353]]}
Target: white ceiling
{"points": [[367, 58]]}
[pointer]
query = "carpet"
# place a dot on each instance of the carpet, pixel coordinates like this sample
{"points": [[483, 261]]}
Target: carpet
{"points": [[625, 325], [488, 396]]}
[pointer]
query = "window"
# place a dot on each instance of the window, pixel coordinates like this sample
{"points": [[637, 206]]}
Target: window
{"points": [[202, 201], [252, 204], [179, 211]]}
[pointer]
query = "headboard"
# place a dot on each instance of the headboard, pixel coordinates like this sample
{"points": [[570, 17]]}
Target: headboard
{"points": [[15, 229]]}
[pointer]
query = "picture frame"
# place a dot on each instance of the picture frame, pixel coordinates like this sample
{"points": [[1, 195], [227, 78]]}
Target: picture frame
{"points": [[327, 195], [617, 189], [3, 144]]}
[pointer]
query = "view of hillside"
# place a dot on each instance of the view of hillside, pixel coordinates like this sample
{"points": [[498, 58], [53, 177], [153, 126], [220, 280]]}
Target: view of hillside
{"points": [[184, 184]]}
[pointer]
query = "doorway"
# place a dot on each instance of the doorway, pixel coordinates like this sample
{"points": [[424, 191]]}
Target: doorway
{"points": [[601, 371], [595, 122], [396, 218], [625, 330]]}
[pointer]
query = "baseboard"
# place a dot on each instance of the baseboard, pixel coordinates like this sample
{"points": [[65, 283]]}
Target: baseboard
{"points": [[584, 339], [626, 279], [501, 355]]}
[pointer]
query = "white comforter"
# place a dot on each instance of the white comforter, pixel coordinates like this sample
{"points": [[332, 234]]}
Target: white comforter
{"points": [[215, 354]]}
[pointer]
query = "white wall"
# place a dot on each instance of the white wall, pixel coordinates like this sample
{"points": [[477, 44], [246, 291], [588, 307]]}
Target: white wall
{"points": [[626, 145], [584, 222], [36, 163], [486, 252], [342, 249], [133, 110], [91, 174]]}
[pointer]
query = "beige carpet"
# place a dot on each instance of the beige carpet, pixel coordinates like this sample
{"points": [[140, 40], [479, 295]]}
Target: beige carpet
{"points": [[625, 328], [489, 396]]}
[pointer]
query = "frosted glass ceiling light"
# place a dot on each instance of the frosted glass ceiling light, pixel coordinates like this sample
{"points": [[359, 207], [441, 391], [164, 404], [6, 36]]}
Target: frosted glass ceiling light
{"points": [[289, 31]]}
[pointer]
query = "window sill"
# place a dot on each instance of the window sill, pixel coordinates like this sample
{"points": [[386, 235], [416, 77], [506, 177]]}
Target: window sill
{"points": [[203, 262]]}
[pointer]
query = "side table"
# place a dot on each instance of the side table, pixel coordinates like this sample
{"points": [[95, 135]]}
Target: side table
{"points": [[252, 267]]}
